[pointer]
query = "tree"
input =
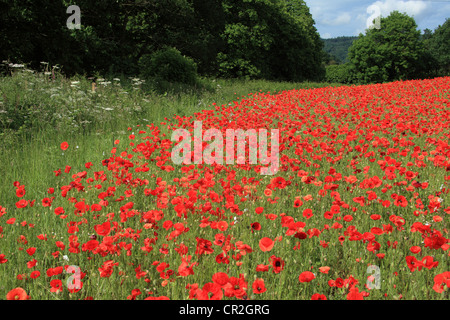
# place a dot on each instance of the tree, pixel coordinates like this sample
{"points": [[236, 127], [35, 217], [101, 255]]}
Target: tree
{"points": [[427, 34], [315, 46], [392, 52], [267, 39], [192, 26], [209, 20], [341, 73], [439, 48], [272, 39], [338, 47], [32, 31]]}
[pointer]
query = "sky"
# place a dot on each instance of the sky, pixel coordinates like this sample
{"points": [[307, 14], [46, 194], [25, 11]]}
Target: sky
{"points": [[335, 18]]}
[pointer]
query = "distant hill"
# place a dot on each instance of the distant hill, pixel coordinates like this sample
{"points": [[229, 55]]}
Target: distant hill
{"points": [[338, 47]]}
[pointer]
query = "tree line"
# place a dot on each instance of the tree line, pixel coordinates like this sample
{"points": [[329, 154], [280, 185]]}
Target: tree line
{"points": [[258, 39], [271, 39], [395, 51]]}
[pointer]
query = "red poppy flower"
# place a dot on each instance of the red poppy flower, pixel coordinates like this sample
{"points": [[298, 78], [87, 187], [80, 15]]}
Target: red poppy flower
{"points": [[219, 239], [17, 294], [348, 218], [47, 202], [20, 192], [220, 278], [415, 249], [90, 245], [306, 276], [441, 280], [301, 235], [359, 200], [307, 213], [324, 269], [318, 296], [22, 203], [2, 259], [377, 231], [262, 268], [298, 202], [279, 182], [56, 286], [413, 263], [31, 251], [400, 201], [328, 215], [259, 286], [255, 226], [277, 264], [203, 246], [236, 287], [103, 229], [354, 294], [266, 244], [222, 225], [339, 282], [429, 263], [64, 146], [259, 210]]}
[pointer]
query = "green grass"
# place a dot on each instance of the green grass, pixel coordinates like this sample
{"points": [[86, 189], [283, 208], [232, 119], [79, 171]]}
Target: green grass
{"points": [[30, 153], [40, 112], [58, 110]]}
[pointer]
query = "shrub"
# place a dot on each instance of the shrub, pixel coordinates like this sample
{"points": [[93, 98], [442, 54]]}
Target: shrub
{"points": [[341, 73], [168, 67]]}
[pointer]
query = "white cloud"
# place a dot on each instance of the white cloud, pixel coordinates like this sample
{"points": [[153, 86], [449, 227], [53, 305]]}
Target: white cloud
{"points": [[411, 8], [341, 19], [349, 17]]}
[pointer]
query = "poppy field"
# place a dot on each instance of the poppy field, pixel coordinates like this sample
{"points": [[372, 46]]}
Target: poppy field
{"points": [[358, 209]]}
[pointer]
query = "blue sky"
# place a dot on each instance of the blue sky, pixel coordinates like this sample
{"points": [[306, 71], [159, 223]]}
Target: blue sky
{"points": [[336, 18]]}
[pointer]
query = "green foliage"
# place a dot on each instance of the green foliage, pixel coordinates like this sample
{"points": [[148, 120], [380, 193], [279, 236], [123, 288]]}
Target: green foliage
{"points": [[31, 31], [271, 40], [393, 52], [30, 102], [33, 102], [342, 73], [338, 47], [168, 66], [438, 45], [328, 59]]}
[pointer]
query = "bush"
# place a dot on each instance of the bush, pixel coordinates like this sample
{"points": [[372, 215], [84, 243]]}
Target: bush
{"points": [[168, 68], [340, 73]]}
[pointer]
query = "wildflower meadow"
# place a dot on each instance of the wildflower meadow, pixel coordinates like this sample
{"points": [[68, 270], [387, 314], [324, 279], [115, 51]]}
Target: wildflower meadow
{"points": [[357, 209]]}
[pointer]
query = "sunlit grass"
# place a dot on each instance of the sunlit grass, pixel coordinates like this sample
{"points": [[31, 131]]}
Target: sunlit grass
{"points": [[329, 123]]}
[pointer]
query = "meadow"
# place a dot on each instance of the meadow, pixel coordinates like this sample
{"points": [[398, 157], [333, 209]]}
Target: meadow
{"points": [[93, 207]]}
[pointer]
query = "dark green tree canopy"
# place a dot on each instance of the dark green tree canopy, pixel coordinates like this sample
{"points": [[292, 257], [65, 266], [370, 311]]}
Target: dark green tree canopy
{"points": [[273, 39], [270, 39], [438, 45]]}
